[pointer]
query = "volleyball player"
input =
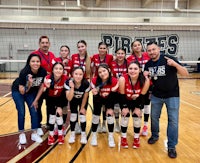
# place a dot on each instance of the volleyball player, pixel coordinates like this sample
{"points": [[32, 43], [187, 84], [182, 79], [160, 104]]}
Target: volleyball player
{"points": [[142, 58], [104, 88], [101, 57], [96, 59], [118, 68], [77, 93], [132, 88], [65, 59], [82, 59], [55, 100]]}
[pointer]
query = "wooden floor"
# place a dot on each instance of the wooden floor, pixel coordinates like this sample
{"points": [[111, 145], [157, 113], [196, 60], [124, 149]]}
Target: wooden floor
{"points": [[188, 148]]}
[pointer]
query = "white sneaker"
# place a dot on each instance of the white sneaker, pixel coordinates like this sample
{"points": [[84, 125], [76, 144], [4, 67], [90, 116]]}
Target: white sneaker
{"points": [[99, 129], [77, 128], [40, 131], [144, 131], [104, 127], [71, 138], [111, 141], [35, 137], [22, 138], [83, 138], [94, 139], [117, 128]]}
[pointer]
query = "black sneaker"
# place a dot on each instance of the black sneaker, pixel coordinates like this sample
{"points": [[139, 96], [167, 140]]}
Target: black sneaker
{"points": [[172, 153], [152, 140]]}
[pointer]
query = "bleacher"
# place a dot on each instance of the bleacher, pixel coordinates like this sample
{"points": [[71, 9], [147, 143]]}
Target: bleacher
{"points": [[191, 65]]}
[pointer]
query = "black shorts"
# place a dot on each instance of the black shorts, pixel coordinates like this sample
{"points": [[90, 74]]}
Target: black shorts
{"points": [[109, 102], [131, 105], [54, 102], [75, 102]]}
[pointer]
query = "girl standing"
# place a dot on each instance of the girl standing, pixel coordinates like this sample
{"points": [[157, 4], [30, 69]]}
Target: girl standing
{"points": [[82, 58], [101, 57], [65, 59]]}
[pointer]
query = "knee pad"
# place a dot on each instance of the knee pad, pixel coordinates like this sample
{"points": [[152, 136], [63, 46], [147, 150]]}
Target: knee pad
{"points": [[59, 120], [146, 109], [82, 118], [95, 119], [136, 122], [73, 117], [64, 110], [110, 119], [124, 121], [52, 119]]}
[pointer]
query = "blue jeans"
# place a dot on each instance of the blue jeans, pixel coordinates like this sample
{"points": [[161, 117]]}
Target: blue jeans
{"points": [[172, 105], [20, 100]]}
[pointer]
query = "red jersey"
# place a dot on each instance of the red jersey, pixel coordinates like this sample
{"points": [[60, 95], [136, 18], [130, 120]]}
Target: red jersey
{"points": [[67, 66], [46, 60], [95, 61], [118, 70], [130, 89], [105, 89], [58, 86], [142, 60], [76, 61]]}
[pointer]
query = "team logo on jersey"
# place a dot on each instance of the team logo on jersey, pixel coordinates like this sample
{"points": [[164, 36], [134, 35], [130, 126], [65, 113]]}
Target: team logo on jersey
{"points": [[157, 71], [78, 94], [37, 81]]}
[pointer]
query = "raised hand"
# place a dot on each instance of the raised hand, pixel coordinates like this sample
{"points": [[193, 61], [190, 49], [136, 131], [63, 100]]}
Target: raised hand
{"points": [[95, 91], [47, 82], [71, 83]]}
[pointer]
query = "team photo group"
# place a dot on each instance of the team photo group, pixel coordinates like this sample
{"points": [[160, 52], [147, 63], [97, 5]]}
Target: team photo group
{"points": [[120, 87]]}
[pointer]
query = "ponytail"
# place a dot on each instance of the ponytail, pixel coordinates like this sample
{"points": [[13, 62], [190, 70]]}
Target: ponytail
{"points": [[87, 66]]}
